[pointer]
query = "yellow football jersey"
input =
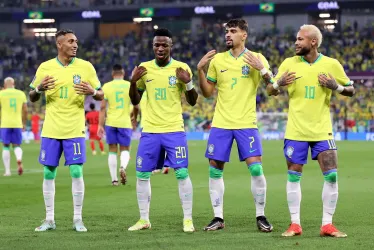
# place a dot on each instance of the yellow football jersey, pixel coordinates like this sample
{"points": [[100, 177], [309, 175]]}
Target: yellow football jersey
{"points": [[116, 93], [309, 105], [11, 101], [163, 112], [237, 84], [64, 116]]}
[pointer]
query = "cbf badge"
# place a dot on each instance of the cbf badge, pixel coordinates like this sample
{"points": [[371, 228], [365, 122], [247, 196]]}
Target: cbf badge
{"points": [[172, 81], [245, 70], [210, 149], [289, 151], [76, 79], [139, 161], [42, 155]]}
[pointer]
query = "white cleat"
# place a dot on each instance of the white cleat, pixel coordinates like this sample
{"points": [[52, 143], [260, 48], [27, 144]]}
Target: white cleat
{"points": [[79, 226], [46, 225]]}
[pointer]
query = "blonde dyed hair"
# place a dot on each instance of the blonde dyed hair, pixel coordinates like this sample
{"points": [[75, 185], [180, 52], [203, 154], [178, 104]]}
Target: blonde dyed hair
{"points": [[313, 32]]}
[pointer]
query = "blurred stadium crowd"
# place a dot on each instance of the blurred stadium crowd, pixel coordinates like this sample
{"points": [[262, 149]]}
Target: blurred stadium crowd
{"points": [[352, 47]]}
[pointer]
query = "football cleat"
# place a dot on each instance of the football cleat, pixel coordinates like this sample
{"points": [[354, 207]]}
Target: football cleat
{"points": [[215, 224], [94, 152], [293, 230], [188, 226], [46, 225], [140, 225], [263, 224], [114, 183], [331, 230], [122, 173], [79, 226]]}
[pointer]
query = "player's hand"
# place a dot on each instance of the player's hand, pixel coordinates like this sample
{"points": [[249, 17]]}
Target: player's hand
{"points": [[47, 83], [100, 132], [137, 73], [207, 58], [327, 82], [253, 61], [287, 78], [84, 88], [183, 75]]}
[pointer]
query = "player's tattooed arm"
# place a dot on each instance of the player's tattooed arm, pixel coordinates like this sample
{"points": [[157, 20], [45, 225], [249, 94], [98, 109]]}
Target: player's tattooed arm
{"points": [[185, 77], [271, 91], [206, 86], [134, 93], [286, 79], [330, 83], [85, 88], [47, 83]]}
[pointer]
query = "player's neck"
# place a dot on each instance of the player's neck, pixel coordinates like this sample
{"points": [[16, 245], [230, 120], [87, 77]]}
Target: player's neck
{"points": [[163, 63], [311, 57], [236, 52], [64, 60]]}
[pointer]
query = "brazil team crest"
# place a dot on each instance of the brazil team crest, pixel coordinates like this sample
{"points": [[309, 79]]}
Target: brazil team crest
{"points": [[172, 81], [76, 79], [42, 155], [139, 161], [289, 151], [210, 149], [245, 70]]}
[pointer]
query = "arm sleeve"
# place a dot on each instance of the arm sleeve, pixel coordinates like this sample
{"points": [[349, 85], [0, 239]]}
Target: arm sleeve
{"points": [[212, 73], [105, 92], [39, 75], [92, 77], [339, 74]]}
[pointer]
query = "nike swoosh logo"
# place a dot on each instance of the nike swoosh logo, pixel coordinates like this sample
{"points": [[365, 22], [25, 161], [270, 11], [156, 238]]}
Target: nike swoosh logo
{"points": [[224, 70], [252, 150], [149, 80], [298, 77], [74, 159], [179, 162]]}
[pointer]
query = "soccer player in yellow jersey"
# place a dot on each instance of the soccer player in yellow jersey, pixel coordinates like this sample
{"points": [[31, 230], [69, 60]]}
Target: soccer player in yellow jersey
{"points": [[13, 119], [118, 127], [165, 79], [314, 77], [66, 80], [236, 74]]}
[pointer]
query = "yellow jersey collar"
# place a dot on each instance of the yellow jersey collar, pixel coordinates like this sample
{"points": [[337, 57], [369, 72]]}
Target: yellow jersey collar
{"points": [[245, 49], [318, 59], [60, 63]]}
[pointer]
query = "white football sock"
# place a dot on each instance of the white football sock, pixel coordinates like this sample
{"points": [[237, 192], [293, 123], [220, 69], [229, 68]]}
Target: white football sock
{"points": [[216, 190], [143, 191], [18, 153], [78, 196], [6, 160], [258, 188], [186, 195], [125, 158], [112, 162], [49, 198], [294, 200], [329, 199]]}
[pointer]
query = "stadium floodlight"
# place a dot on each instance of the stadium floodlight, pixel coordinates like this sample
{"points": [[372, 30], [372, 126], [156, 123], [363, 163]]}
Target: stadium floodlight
{"points": [[45, 30], [38, 20], [155, 27], [331, 21], [324, 15], [330, 27], [142, 19]]}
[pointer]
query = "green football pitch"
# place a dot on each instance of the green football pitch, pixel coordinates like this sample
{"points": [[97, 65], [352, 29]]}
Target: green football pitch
{"points": [[108, 211]]}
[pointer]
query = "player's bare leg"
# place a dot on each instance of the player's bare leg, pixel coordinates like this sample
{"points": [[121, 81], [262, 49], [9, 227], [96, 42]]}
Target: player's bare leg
{"points": [[216, 190], [124, 161], [18, 153], [6, 159], [258, 189], [112, 163], [328, 162], [294, 198]]}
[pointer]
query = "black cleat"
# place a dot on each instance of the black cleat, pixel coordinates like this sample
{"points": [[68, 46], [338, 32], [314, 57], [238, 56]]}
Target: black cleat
{"points": [[263, 224], [215, 224]]}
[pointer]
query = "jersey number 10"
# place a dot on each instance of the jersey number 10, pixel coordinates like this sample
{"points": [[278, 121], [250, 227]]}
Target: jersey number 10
{"points": [[310, 92]]}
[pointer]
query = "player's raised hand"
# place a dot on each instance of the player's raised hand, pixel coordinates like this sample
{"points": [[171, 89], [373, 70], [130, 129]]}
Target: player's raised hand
{"points": [[137, 73], [100, 131], [253, 61], [84, 88], [287, 78], [47, 83], [327, 82], [183, 75], [204, 61]]}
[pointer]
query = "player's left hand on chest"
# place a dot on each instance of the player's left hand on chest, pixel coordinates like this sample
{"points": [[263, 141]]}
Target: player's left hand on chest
{"points": [[84, 88], [328, 82], [253, 61], [183, 75]]}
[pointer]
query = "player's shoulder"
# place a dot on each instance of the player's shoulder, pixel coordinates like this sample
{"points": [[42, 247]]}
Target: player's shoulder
{"points": [[175, 63], [47, 64], [83, 63], [148, 64], [330, 60]]}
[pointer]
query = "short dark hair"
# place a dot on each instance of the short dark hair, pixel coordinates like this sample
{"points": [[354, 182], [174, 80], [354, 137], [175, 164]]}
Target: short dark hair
{"points": [[238, 22], [63, 32], [117, 67], [92, 106], [162, 32]]}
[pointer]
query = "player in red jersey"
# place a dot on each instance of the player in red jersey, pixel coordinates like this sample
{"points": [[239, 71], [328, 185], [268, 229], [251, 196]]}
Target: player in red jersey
{"points": [[92, 118]]}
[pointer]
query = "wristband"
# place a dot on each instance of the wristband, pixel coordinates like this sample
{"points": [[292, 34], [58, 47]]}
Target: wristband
{"points": [[95, 92], [37, 90], [340, 88], [263, 71], [189, 86], [275, 85]]}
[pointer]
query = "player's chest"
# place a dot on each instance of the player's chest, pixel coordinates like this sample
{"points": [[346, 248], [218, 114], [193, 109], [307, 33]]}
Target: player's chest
{"points": [[68, 76], [236, 76], [161, 78]]}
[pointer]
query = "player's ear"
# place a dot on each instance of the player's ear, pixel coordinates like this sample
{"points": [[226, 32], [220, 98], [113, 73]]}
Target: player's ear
{"points": [[245, 35]]}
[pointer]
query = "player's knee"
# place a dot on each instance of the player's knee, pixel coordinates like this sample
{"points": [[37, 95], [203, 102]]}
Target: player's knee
{"points": [[294, 176], [50, 173], [181, 173], [143, 175], [331, 177], [255, 169], [215, 173], [76, 171]]}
